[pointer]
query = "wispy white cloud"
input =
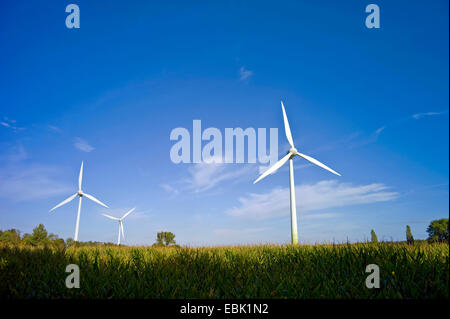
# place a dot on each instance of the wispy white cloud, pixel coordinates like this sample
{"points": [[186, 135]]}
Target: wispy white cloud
{"points": [[365, 140], [244, 74], [54, 128], [15, 154], [11, 124], [357, 139], [30, 182], [322, 195], [418, 116], [204, 176], [415, 116], [82, 145], [336, 144], [381, 129], [170, 189]]}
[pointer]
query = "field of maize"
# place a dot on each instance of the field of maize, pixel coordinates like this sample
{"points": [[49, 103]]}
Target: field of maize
{"points": [[305, 271]]}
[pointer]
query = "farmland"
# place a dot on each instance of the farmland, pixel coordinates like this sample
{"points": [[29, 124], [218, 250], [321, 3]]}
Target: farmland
{"points": [[263, 271]]}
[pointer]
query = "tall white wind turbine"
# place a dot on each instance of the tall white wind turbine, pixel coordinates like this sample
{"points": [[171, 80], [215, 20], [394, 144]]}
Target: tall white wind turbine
{"points": [[80, 193], [120, 222], [289, 156]]}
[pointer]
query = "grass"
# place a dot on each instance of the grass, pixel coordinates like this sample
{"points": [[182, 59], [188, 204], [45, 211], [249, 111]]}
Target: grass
{"points": [[266, 271]]}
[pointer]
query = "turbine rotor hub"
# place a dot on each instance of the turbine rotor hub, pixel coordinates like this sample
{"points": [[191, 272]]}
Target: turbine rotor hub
{"points": [[80, 193], [293, 150]]}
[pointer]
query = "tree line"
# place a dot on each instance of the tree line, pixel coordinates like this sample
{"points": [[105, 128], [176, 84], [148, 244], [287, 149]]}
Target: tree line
{"points": [[437, 232], [41, 237]]}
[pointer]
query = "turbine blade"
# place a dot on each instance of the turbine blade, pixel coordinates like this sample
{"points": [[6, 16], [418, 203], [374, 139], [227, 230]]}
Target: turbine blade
{"points": [[121, 228], [95, 200], [128, 213], [272, 169], [65, 201], [287, 129], [80, 177], [314, 161], [115, 218]]}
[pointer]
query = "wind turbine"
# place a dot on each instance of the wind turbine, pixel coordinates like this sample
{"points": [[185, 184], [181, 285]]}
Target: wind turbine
{"points": [[290, 156], [81, 194], [120, 222]]}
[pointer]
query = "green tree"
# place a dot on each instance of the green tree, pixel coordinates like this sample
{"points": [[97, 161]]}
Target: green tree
{"points": [[11, 236], [169, 238], [40, 236], [409, 235], [165, 239], [438, 230], [160, 238], [374, 238]]}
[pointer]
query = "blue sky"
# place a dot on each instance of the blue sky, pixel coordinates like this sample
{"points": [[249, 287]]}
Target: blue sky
{"points": [[370, 103]]}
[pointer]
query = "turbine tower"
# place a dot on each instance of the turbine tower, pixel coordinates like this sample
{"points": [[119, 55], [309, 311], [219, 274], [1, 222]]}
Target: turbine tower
{"points": [[81, 194], [290, 156], [120, 222]]}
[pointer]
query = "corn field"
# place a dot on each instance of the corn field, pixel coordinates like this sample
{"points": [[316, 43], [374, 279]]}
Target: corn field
{"points": [[266, 271]]}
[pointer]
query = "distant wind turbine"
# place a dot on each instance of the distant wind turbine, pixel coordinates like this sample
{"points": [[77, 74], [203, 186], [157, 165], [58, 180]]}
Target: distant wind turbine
{"points": [[120, 222], [81, 194], [290, 155]]}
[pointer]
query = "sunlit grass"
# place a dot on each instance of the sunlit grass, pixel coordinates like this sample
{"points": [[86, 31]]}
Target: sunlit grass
{"points": [[262, 271]]}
